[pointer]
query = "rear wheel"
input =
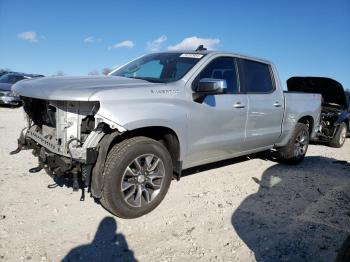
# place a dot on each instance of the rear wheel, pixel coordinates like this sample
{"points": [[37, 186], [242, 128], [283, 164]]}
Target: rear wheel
{"points": [[339, 137], [294, 152], [137, 176]]}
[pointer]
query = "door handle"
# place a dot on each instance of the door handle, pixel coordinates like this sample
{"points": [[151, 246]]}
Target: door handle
{"points": [[277, 104], [239, 105]]}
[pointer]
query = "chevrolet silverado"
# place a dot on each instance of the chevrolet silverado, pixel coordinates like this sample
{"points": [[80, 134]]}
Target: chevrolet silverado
{"points": [[125, 136]]}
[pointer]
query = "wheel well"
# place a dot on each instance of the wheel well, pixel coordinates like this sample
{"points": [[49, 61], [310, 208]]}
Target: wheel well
{"points": [[308, 121], [164, 135]]}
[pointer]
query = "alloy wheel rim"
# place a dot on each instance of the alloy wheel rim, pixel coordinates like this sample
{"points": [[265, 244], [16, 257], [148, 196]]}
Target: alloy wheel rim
{"points": [[301, 143], [142, 180]]}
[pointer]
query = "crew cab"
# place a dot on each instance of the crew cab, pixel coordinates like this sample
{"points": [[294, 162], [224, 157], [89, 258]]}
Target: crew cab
{"points": [[128, 134]]}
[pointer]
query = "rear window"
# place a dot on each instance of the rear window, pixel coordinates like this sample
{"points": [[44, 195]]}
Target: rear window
{"points": [[255, 77]]}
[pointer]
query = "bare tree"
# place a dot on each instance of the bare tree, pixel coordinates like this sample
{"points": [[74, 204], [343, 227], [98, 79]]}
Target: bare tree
{"points": [[106, 71], [93, 73], [4, 70], [59, 73]]}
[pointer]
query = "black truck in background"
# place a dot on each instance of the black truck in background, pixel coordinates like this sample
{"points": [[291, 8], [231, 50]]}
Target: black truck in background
{"points": [[335, 115]]}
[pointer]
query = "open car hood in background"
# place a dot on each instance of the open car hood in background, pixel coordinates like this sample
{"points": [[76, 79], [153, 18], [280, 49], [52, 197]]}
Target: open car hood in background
{"points": [[347, 94], [332, 91]]}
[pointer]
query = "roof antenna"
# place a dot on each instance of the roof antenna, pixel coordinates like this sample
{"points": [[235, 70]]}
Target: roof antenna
{"points": [[201, 48]]}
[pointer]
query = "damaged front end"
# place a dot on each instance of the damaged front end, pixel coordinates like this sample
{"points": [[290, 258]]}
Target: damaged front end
{"points": [[331, 118], [335, 107], [64, 136]]}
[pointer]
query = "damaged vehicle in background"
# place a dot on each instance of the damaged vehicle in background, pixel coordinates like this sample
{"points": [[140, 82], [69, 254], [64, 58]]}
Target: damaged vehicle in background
{"points": [[335, 114], [7, 97]]}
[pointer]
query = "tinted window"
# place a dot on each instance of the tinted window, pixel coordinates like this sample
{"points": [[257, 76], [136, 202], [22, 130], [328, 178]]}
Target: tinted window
{"points": [[255, 77], [182, 68], [10, 78], [18, 78], [222, 68], [160, 67]]}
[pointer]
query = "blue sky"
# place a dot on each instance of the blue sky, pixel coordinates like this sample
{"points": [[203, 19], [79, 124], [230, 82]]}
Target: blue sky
{"points": [[77, 37]]}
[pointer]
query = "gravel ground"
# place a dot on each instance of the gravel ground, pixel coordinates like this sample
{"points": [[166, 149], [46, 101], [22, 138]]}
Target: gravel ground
{"points": [[238, 210]]}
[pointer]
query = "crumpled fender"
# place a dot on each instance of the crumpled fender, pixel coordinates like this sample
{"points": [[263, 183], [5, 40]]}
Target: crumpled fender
{"points": [[97, 178]]}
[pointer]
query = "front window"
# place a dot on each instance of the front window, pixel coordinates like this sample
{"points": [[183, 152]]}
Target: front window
{"points": [[159, 67], [222, 68]]}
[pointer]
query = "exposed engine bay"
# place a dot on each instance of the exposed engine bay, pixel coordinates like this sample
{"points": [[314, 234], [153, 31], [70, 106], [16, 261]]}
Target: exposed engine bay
{"points": [[63, 135], [335, 107], [329, 118], [61, 126]]}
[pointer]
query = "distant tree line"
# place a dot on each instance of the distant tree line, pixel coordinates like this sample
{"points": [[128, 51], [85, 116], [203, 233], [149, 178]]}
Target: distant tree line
{"points": [[104, 71], [4, 70]]}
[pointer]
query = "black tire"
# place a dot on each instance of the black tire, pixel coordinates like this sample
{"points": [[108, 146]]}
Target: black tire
{"points": [[344, 252], [339, 137], [289, 154], [121, 157]]}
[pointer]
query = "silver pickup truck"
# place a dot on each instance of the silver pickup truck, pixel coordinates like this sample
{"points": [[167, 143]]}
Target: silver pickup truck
{"points": [[127, 135]]}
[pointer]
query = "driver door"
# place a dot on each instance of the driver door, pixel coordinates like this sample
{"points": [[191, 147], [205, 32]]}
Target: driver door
{"points": [[217, 124]]}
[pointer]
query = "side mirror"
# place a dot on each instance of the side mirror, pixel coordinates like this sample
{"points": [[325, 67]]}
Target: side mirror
{"points": [[211, 86]]}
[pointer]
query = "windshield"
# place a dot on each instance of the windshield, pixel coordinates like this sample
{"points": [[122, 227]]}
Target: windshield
{"points": [[10, 79], [160, 67]]}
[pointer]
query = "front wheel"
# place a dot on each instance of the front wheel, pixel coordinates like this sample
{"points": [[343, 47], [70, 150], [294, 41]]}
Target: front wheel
{"points": [[137, 176], [294, 152], [339, 137]]}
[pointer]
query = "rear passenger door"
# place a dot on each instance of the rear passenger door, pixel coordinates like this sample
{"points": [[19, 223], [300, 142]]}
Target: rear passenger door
{"points": [[265, 103]]}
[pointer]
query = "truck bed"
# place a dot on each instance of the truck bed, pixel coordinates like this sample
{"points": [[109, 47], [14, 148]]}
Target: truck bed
{"points": [[296, 104]]}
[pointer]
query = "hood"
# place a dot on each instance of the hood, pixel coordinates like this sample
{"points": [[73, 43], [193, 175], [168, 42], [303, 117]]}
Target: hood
{"points": [[332, 91], [73, 88], [5, 87]]}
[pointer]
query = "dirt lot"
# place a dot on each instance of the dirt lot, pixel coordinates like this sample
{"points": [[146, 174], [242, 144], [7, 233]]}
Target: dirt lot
{"points": [[240, 210]]}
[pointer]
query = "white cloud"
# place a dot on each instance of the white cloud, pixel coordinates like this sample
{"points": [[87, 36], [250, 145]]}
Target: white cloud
{"points": [[156, 44], [92, 39], [29, 36], [126, 43], [191, 43]]}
